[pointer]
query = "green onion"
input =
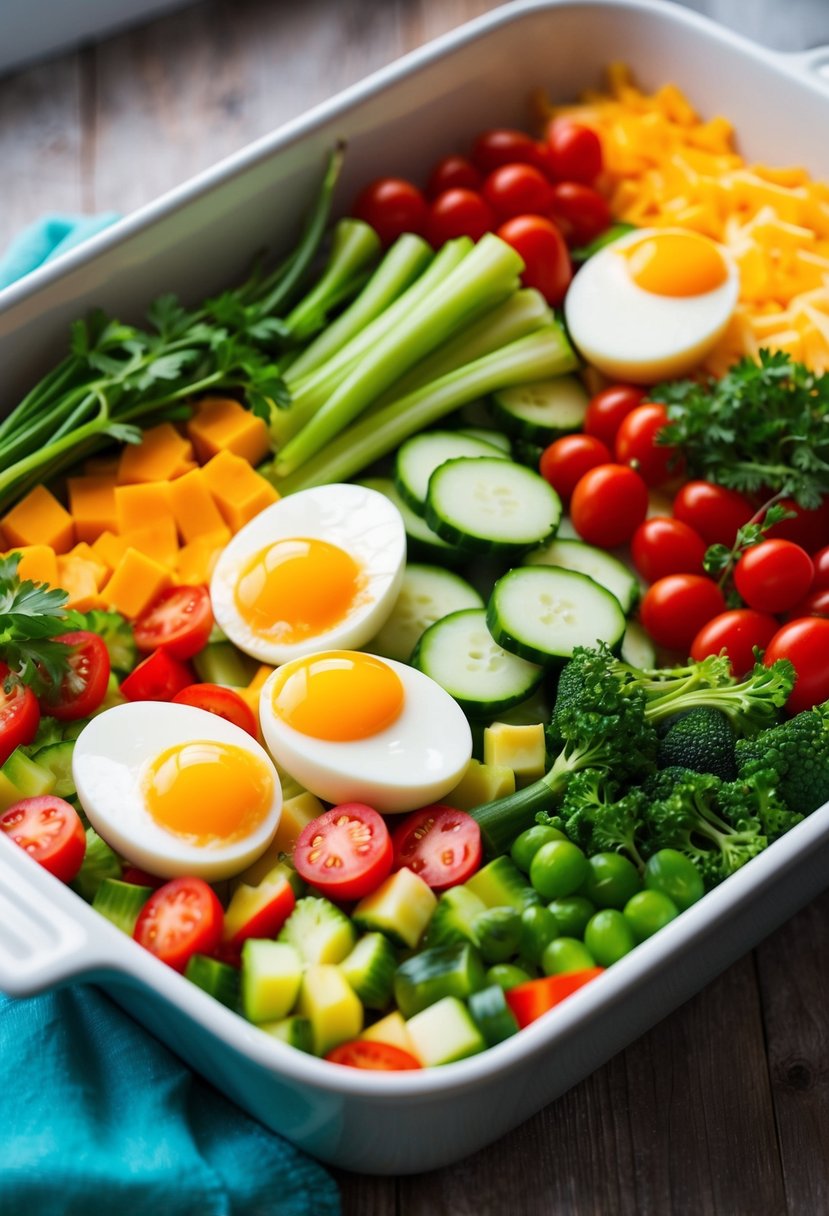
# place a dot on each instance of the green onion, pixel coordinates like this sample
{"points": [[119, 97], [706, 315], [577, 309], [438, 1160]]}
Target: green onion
{"points": [[353, 246]]}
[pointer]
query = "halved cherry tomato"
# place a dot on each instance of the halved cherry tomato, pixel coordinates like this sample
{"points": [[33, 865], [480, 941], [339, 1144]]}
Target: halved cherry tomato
{"points": [[458, 212], [223, 702], [566, 460], [676, 607], [503, 146], [392, 206], [528, 1001], [345, 852], [51, 832], [544, 251], [608, 408], [636, 444], [713, 511], [84, 687], [179, 621], [180, 919], [257, 911], [439, 844], [452, 172], [773, 575], [574, 151], [157, 678], [806, 644], [142, 878], [517, 189], [580, 212], [367, 1053], [736, 632], [661, 546], [19, 713], [608, 505]]}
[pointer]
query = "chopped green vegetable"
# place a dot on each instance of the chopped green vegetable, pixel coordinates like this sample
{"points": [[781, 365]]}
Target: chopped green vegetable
{"points": [[703, 740], [117, 633], [797, 753], [32, 615]]}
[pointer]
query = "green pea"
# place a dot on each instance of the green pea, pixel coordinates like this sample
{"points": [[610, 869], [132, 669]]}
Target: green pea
{"points": [[648, 911], [525, 846], [538, 928], [497, 932], [611, 880], [608, 936], [558, 868], [572, 913], [566, 954], [676, 876], [507, 975]]}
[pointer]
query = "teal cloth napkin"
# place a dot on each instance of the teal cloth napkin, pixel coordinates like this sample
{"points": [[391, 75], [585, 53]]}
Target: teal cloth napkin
{"points": [[96, 1115]]}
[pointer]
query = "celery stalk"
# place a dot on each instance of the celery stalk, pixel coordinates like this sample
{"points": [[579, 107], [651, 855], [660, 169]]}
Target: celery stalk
{"points": [[353, 245]]}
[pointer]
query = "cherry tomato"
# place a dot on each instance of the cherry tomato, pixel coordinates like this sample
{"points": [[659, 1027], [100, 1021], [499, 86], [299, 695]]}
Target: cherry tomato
{"points": [[458, 212], [83, 690], [713, 511], [574, 151], [257, 912], [636, 444], [440, 844], [345, 852], [454, 172], [51, 832], [773, 575], [810, 529], [580, 212], [736, 632], [502, 146], [368, 1053], [608, 408], [544, 251], [157, 678], [816, 603], [392, 206], [19, 714], [662, 546], [566, 460], [179, 620], [608, 505], [517, 189], [806, 644], [223, 702], [821, 564], [180, 919], [676, 607], [141, 878]]}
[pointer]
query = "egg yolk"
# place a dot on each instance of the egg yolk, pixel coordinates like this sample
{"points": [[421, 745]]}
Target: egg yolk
{"points": [[207, 791], [298, 588], [339, 696], [675, 264]]}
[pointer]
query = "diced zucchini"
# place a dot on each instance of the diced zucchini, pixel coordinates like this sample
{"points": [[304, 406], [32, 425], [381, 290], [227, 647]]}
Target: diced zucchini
{"points": [[520, 748], [121, 902], [400, 907], [333, 1008], [222, 663], [501, 884], [498, 932], [295, 1031], [219, 980], [57, 758], [432, 974], [480, 783], [427, 594], [492, 1015], [22, 777], [319, 930], [444, 1032], [99, 862], [391, 1029], [370, 968], [271, 979], [452, 919]]}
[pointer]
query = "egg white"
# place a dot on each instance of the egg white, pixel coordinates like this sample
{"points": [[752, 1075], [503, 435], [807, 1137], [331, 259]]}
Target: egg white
{"points": [[107, 762], [632, 334], [358, 520], [415, 761]]}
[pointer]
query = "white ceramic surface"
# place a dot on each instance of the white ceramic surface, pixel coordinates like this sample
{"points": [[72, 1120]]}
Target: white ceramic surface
{"points": [[200, 237]]}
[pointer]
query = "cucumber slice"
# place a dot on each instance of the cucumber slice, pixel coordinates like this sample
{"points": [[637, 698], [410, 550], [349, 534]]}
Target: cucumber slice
{"points": [[497, 438], [460, 654], [120, 902], [453, 917], [401, 907], [598, 564], [541, 613], [419, 456], [492, 1015], [542, 411], [219, 980], [370, 968], [57, 758], [295, 1031], [319, 931], [421, 542], [637, 647], [500, 884], [491, 505], [427, 594], [332, 1007], [445, 1032], [433, 974], [271, 979]]}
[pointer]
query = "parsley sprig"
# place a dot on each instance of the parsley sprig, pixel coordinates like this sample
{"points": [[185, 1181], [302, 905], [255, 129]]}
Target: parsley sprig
{"points": [[32, 615]]}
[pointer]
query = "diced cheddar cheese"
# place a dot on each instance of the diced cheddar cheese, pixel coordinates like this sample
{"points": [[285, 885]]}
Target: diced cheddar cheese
{"points": [[136, 581], [138, 506], [39, 519], [297, 812], [109, 549], [193, 508], [161, 455], [78, 578], [222, 424], [196, 561], [158, 540], [92, 505], [39, 563], [239, 491], [85, 551]]}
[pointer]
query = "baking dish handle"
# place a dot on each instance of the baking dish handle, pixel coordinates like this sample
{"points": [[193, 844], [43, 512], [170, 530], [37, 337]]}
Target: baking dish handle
{"points": [[42, 940], [814, 63]]}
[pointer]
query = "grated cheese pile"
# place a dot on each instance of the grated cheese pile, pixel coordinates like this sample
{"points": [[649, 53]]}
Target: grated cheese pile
{"points": [[665, 166]]}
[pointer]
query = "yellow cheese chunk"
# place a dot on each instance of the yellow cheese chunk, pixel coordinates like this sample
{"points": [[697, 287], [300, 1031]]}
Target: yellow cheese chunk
{"points": [[137, 506], [78, 578], [239, 491], [222, 424], [193, 508], [39, 563], [92, 505], [101, 570], [158, 540], [161, 455], [480, 783], [109, 549], [196, 561], [136, 581], [39, 519], [520, 748]]}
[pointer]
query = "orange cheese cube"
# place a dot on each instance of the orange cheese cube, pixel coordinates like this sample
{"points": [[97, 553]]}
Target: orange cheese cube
{"points": [[160, 455], [92, 505], [196, 560], [222, 424], [137, 506], [136, 581], [88, 554], [78, 578], [238, 490], [194, 510], [158, 540], [39, 563], [109, 549], [39, 519]]}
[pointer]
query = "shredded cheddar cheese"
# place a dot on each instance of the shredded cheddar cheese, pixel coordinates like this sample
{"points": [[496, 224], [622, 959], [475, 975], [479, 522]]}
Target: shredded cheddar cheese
{"points": [[664, 165]]}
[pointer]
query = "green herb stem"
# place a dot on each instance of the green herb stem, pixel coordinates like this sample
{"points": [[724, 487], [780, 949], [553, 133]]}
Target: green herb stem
{"points": [[354, 245]]}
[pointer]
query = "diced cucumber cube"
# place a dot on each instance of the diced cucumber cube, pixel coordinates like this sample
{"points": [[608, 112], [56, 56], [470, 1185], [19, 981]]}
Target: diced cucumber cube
{"points": [[401, 907], [271, 978], [444, 1032], [391, 1029], [500, 883], [295, 1031], [429, 976], [370, 968], [333, 1008], [319, 931], [217, 979], [120, 902], [22, 777]]}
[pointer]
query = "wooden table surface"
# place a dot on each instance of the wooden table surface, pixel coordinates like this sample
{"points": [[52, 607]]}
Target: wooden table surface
{"points": [[724, 1106]]}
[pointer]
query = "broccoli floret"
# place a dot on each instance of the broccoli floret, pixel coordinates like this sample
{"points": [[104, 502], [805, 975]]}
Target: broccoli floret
{"points": [[797, 752], [759, 796], [599, 821], [117, 633], [703, 740]]}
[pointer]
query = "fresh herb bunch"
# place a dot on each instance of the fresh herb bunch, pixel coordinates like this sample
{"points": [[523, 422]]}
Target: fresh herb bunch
{"points": [[32, 615]]}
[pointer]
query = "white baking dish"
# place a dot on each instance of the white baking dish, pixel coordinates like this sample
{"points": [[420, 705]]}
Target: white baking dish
{"points": [[200, 237]]}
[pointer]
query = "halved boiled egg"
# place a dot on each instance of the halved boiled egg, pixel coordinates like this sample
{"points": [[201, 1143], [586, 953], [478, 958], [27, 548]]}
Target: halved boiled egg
{"points": [[317, 569], [177, 790], [351, 726], [652, 304]]}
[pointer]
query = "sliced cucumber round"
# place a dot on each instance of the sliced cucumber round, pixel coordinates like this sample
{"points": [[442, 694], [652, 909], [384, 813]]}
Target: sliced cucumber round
{"points": [[486, 505], [427, 594], [421, 542], [419, 456], [498, 439], [541, 613], [637, 647], [460, 654], [544, 410], [605, 569]]}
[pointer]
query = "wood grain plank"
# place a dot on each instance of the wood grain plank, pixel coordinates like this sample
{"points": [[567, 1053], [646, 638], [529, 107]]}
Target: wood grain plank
{"points": [[364, 1196]]}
